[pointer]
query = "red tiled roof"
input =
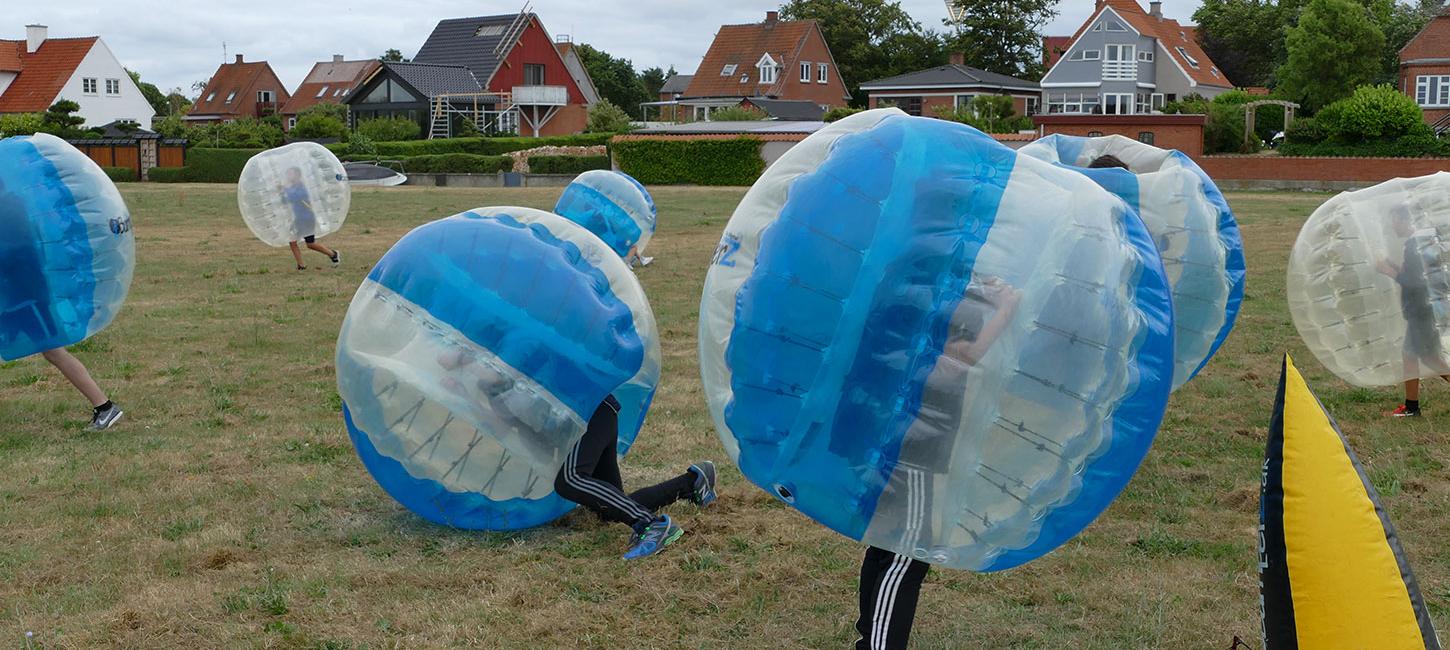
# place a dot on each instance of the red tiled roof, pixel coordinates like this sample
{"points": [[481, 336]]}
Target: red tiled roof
{"points": [[1171, 35], [229, 78], [42, 73], [1053, 48], [743, 46], [334, 80]]}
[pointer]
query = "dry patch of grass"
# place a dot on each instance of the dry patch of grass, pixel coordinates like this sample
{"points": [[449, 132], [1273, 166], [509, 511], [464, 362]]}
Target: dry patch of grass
{"points": [[229, 510]]}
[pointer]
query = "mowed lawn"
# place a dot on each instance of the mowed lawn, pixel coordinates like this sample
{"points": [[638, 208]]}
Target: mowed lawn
{"points": [[229, 510]]}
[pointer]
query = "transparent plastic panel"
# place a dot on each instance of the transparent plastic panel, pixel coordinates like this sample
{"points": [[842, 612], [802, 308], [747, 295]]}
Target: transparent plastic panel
{"points": [[292, 192], [613, 206]]}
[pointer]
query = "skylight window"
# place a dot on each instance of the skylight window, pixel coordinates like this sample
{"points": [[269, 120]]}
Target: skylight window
{"points": [[211, 95], [745, 78], [322, 92], [728, 70], [489, 30], [1188, 57], [230, 96]]}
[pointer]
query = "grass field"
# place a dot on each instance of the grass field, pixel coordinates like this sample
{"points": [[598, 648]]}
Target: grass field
{"points": [[229, 510]]}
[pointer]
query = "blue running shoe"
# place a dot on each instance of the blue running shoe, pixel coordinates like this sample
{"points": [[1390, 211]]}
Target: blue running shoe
{"points": [[704, 489], [656, 536]]}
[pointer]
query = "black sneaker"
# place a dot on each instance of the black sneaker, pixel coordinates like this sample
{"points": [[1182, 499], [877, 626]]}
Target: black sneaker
{"points": [[704, 488], [1405, 412], [105, 417], [336, 258]]}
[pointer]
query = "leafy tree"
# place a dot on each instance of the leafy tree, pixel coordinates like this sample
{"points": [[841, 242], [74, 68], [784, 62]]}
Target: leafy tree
{"points": [[171, 126], [389, 129], [1334, 48], [1371, 113], [1400, 24], [333, 110], [738, 114], [1244, 37], [1003, 36], [177, 103], [988, 113], [312, 126], [605, 117], [59, 120], [615, 79], [654, 79], [245, 133], [20, 124], [870, 39], [153, 95], [393, 55]]}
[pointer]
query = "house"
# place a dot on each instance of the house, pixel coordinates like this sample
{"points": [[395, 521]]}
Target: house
{"points": [[239, 89], [329, 82], [577, 69], [1126, 61], [1425, 68], [788, 110], [522, 71], [413, 90], [949, 86], [774, 59], [670, 93], [40, 71]]}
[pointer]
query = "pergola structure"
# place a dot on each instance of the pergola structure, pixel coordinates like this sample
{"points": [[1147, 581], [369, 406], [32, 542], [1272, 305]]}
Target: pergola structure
{"points": [[1251, 112]]}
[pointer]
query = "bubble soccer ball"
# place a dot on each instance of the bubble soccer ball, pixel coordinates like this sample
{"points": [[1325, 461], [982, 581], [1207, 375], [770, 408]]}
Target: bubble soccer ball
{"points": [[292, 192], [474, 354], [933, 345], [1369, 282], [613, 206], [66, 245], [1191, 224]]}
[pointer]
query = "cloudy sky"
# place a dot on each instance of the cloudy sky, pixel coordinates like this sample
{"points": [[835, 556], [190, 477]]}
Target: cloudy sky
{"points": [[174, 44]]}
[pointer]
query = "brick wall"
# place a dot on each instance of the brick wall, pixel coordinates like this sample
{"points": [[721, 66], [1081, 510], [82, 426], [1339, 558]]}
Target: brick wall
{"points": [[1181, 132], [1360, 171], [1409, 77]]}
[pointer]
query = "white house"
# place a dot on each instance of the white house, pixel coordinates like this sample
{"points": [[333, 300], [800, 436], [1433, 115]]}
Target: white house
{"points": [[39, 71]]}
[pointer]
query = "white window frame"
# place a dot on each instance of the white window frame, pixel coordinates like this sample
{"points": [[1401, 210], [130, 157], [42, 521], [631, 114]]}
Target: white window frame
{"points": [[1432, 91], [1114, 26], [322, 92], [805, 68], [1086, 55], [823, 73], [767, 68], [1120, 62], [89, 86], [1156, 102], [964, 99], [113, 87], [210, 96], [1098, 27], [266, 97], [1031, 105], [230, 96], [1071, 104], [291, 121], [728, 70], [745, 78], [1119, 102], [1145, 56]]}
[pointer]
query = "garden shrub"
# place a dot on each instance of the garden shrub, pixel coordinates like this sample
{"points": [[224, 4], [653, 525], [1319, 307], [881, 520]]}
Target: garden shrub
{"points": [[701, 162]]}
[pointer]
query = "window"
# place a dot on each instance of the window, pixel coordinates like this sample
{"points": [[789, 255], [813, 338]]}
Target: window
{"points": [[490, 30], [961, 101], [265, 97], [291, 122], [1032, 106], [745, 78], [1071, 104], [1098, 27], [230, 96], [727, 70], [1156, 102], [1086, 55], [1140, 104], [1145, 57], [1145, 137], [533, 74], [322, 92], [702, 113], [88, 85], [398, 95], [1214, 71], [912, 105], [822, 73], [767, 68], [113, 86], [1095, 134], [211, 95], [1117, 104], [1114, 26], [805, 72], [1119, 63], [1432, 90], [1188, 57]]}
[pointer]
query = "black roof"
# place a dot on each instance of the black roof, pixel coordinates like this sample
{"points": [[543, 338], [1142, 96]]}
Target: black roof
{"points": [[794, 110], [676, 84], [953, 75], [455, 42], [127, 130], [433, 79]]}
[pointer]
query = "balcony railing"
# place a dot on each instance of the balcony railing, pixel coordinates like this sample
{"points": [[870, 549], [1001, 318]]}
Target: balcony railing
{"points": [[1120, 70], [541, 95]]}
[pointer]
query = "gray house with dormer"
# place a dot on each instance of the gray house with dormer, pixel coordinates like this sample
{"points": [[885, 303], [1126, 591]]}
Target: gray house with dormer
{"points": [[1127, 61]]}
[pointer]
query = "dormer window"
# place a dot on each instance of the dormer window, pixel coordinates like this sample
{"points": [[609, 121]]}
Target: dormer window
{"points": [[767, 67], [728, 70]]}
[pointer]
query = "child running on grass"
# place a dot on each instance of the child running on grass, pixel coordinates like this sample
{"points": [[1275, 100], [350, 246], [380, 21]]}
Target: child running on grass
{"points": [[295, 194], [1422, 338]]}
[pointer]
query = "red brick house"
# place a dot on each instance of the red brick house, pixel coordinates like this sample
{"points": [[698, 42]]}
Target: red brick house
{"points": [[239, 89], [329, 82], [774, 59], [1425, 68]]}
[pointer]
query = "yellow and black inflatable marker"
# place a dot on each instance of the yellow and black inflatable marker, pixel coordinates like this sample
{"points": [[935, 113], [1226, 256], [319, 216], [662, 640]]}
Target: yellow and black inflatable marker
{"points": [[1331, 570]]}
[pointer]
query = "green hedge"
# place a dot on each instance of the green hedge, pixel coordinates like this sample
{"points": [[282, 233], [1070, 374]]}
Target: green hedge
{"points": [[478, 146], [449, 163], [217, 165], [167, 175], [120, 174], [699, 162], [566, 164]]}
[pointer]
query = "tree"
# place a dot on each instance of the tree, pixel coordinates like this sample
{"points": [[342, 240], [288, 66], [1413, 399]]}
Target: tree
{"points": [[171, 126], [615, 79], [870, 39], [1003, 36], [1244, 37], [393, 55], [738, 114], [318, 125], [177, 103], [153, 95], [1333, 49], [59, 120], [654, 79], [1400, 24], [605, 117]]}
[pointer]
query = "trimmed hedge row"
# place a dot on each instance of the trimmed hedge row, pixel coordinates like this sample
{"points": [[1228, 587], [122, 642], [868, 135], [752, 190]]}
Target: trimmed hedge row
{"points": [[206, 165], [120, 174], [449, 163], [698, 162], [477, 146], [566, 164]]}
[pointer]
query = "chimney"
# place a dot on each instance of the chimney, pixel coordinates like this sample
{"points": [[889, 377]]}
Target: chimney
{"points": [[239, 58], [337, 58], [772, 16], [957, 58], [1155, 9], [34, 36]]}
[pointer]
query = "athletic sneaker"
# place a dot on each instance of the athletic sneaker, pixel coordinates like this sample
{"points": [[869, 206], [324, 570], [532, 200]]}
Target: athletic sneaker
{"points": [[1405, 412], [336, 257], [704, 488], [656, 536], [106, 417]]}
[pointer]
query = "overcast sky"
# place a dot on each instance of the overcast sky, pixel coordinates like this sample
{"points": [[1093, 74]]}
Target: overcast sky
{"points": [[173, 44]]}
